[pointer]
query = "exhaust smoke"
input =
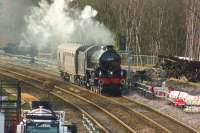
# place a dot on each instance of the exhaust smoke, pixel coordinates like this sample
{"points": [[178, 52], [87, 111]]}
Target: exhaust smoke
{"points": [[49, 25]]}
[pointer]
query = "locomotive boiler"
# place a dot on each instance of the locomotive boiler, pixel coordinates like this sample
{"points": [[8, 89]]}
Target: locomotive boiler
{"points": [[95, 66]]}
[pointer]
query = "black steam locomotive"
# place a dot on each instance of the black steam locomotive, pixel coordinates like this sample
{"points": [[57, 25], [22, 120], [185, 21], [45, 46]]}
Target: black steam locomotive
{"points": [[95, 66]]}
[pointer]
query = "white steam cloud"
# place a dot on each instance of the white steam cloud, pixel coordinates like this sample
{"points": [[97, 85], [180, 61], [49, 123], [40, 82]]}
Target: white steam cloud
{"points": [[12, 22], [49, 25]]}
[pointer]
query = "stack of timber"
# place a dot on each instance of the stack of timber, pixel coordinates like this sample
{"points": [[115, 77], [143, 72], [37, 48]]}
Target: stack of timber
{"points": [[178, 68]]}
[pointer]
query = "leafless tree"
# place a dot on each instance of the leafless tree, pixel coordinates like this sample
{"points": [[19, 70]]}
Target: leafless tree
{"points": [[192, 49], [151, 26]]}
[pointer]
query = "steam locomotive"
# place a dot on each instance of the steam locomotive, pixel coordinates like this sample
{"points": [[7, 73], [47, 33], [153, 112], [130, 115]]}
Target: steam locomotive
{"points": [[94, 66]]}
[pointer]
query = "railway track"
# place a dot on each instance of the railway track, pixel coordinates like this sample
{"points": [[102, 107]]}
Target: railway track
{"points": [[91, 112], [95, 112], [125, 109], [73, 113], [113, 110], [106, 118]]}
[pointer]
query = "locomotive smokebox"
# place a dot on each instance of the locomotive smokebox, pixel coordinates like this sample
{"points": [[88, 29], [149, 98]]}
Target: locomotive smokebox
{"points": [[110, 60]]}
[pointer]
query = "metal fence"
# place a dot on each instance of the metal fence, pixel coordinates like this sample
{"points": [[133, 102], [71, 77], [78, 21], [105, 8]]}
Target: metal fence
{"points": [[139, 60]]}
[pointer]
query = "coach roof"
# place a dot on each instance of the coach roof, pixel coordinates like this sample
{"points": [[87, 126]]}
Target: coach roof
{"points": [[71, 47]]}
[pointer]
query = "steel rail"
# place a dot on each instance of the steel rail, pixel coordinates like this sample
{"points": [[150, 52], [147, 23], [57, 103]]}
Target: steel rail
{"points": [[136, 113], [180, 123], [85, 100]]}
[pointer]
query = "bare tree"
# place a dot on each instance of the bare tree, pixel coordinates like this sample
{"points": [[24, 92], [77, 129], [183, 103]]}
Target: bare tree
{"points": [[150, 26], [192, 49]]}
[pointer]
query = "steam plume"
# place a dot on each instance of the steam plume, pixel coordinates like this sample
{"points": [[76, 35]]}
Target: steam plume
{"points": [[49, 25]]}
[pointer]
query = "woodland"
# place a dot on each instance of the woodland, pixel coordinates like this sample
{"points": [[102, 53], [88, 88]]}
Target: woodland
{"points": [[152, 27]]}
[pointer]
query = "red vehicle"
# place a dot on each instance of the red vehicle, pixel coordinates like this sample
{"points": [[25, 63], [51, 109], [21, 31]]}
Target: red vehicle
{"points": [[179, 103]]}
